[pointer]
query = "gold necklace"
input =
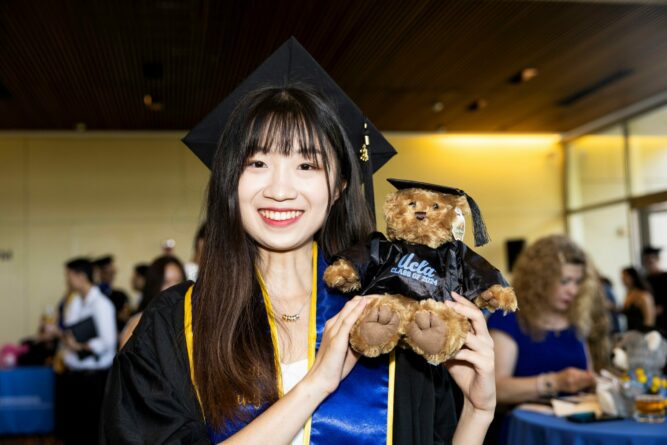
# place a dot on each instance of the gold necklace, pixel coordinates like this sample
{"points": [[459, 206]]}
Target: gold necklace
{"points": [[294, 317], [291, 318]]}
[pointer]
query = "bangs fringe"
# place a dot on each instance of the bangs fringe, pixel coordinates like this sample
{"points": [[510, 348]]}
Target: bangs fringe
{"points": [[284, 126]]}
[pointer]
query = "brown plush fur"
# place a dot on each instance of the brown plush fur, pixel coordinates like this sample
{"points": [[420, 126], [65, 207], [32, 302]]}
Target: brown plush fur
{"points": [[429, 328], [435, 229], [343, 276], [497, 297], [436, 331], [381, 325]]}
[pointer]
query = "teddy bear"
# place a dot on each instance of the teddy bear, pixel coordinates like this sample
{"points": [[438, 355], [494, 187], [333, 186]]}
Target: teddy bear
{"points": [[415, 269], [638, 360]]}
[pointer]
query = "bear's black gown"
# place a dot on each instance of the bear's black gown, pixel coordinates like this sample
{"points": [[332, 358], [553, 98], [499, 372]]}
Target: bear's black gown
{"points": [[149, 398], [420, 272]]}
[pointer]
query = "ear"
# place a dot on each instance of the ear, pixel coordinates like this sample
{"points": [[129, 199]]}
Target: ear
{"points": [[653, 339], [339, 190], [389, 204], [462, 203]]}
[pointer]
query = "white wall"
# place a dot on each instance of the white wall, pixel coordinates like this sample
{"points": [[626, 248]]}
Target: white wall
{"points": [[68, 194]]}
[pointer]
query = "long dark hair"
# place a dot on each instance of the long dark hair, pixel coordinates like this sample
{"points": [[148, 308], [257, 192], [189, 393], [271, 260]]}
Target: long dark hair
{"points": [[233, 353], [638, 280], [155, 278]]}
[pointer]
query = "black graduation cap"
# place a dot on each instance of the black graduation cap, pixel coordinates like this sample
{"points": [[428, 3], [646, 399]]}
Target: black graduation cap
{"points": [[481, 235], [290, 64]]}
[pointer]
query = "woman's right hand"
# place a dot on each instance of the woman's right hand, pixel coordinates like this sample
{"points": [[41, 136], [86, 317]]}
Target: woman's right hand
{"points": [[335, 359], [573, 380]]}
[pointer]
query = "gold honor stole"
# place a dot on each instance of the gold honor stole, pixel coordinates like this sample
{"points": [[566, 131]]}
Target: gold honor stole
{"points": [[360, 411]]}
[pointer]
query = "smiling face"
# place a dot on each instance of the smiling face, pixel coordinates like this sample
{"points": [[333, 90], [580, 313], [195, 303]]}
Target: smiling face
{"points": [[421, 216], [567, 288], [283, 199]]}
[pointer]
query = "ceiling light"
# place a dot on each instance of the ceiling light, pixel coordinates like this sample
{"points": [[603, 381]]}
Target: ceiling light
{"points": [[437, 106], [525, 75], [478, 104], [153, 103]]}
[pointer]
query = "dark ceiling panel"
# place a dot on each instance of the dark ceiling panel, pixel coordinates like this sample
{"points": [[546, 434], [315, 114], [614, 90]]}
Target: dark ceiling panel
{"points": [[64, 62]]}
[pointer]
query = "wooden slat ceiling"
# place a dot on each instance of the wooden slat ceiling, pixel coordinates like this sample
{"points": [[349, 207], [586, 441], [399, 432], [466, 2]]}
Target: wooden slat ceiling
{"points": [[65, 62]]}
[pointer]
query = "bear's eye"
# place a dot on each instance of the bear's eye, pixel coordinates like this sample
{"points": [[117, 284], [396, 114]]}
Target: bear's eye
{"points": [[436, 206], [413, 204]]}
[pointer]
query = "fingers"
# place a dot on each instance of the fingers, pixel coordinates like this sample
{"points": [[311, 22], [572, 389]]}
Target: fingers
{"points": [[346, 322], [334, 322], [478, 344], [471, 312], [482, 363], [345, 319]]}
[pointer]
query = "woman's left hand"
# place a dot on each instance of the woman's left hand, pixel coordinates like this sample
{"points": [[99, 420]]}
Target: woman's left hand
{"points": [[472, 368]]}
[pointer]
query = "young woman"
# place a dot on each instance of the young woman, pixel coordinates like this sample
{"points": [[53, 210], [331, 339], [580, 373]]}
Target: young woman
{"points": [[257, 352], [164, 272], [543, 349], [639, 306]]}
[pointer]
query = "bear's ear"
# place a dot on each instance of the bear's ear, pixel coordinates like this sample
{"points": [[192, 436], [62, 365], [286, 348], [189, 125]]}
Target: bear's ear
{"points": [[653, 339], [462, 203], [390, 203]]}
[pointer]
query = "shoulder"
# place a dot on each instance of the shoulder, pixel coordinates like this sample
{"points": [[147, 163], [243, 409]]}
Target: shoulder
{"points": [[170, 298], [162, 323]]}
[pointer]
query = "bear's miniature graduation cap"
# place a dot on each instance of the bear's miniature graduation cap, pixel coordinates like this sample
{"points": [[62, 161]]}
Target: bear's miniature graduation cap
{"points": [[292, 64], [481, 235]]}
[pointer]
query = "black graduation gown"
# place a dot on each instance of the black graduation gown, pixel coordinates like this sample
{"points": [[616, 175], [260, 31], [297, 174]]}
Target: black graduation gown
{"points": [[420, 272], [149, 398]]}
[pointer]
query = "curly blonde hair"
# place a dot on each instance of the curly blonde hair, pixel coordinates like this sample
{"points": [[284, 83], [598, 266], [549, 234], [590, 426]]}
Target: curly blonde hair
{"points": [[536, 274]]}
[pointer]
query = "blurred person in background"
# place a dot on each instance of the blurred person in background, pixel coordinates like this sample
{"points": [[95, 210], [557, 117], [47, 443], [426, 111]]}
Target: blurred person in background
{"points": [[546, 347], [639, 308], [164, 272], [138, 280], [192, 267], [87, 362], [611, 304], [105, 273], [657, 278]]}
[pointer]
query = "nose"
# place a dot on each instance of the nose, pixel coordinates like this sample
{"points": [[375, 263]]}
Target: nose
{"points": [[280, 186], [573, 289], [420, 215]]}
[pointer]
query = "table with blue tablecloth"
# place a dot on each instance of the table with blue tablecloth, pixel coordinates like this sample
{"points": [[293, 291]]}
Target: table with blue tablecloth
{"points": [[26, 400], [526, 428]]}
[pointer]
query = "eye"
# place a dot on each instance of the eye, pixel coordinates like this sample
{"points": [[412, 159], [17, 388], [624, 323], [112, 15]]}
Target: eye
{"points": [[436, 206], [306, 166], [256, 164], [413, 204]]}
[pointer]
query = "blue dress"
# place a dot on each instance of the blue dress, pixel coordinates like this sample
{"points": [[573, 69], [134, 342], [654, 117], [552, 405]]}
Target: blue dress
{"points": [[558, 350]]}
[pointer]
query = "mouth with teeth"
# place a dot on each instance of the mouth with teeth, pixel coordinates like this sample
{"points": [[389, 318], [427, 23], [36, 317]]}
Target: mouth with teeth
{"points": [[280, 217]]}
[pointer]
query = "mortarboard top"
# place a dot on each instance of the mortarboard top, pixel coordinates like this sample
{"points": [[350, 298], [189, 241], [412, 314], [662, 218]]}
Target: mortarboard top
{"points": [[292, 64], [103, 261], [650, 250], [481, 235]]}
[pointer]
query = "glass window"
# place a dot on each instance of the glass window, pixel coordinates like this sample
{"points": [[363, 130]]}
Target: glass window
{"points": [[605, 235], [596, 169], [648, 152]]}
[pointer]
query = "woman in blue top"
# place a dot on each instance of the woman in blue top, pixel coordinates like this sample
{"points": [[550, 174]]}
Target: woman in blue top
{"points": [[541, 350]]}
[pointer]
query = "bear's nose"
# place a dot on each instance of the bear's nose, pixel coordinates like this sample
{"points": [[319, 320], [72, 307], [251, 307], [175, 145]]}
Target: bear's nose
{"points": [[420, 215]]}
